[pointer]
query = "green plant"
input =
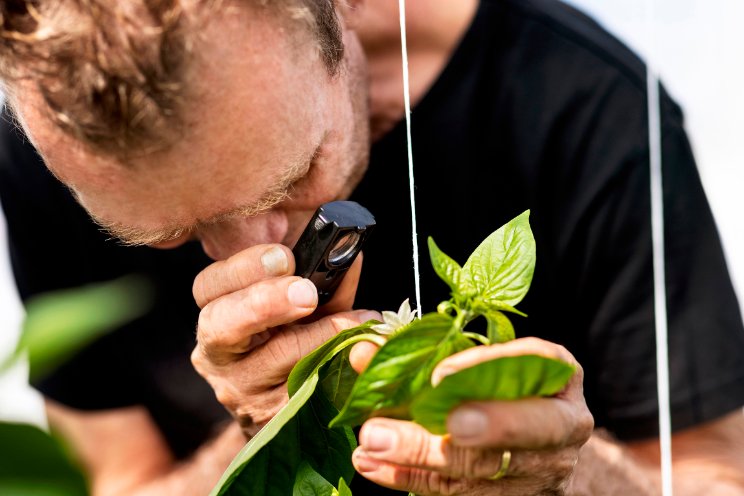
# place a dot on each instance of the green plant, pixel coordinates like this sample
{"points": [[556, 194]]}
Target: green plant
{"points": [[57, 325], [307, 445]]}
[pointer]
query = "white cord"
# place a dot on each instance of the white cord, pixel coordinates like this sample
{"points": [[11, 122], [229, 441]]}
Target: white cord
{"points": [[657, 237], [407, 103]]}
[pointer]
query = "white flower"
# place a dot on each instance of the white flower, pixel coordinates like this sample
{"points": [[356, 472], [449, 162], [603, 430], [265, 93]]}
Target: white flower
{"points": [[394, 321]]}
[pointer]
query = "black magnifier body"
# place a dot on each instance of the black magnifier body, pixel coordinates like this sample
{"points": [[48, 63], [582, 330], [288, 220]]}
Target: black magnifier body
{"points": [[330, 243]]}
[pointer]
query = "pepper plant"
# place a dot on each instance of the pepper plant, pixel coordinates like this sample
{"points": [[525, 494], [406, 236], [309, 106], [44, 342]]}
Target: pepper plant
{"points": [[305, 450]]}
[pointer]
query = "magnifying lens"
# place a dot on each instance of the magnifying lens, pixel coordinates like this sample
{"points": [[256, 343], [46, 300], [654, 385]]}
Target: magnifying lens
{"points": [[330, 243]]}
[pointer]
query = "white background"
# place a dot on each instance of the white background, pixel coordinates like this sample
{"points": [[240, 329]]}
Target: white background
{"points": [[698, 49], [699, 52]]}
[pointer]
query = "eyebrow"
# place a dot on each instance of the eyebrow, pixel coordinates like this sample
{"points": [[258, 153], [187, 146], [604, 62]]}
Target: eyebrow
{"points": [[135, 236]]}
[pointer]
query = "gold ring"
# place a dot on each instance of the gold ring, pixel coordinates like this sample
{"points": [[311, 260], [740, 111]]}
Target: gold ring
{"points": [[505, 461]]}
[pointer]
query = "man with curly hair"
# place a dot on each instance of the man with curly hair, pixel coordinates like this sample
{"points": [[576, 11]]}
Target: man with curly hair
{"points": [[229, 122]]}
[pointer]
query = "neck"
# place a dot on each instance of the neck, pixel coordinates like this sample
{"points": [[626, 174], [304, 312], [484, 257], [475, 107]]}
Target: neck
{"points": [[433, 30]]}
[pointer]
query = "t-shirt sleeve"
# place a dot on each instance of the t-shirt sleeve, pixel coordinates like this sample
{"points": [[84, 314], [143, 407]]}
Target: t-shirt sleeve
{"points": [[604, 251]]}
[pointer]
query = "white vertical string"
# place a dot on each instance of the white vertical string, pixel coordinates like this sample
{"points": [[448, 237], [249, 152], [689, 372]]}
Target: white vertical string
{"points": [[657, 237], [407, 104]]}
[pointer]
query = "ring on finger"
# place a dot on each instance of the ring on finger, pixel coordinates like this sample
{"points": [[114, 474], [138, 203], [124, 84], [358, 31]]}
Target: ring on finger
{"points": [[505, 461]]}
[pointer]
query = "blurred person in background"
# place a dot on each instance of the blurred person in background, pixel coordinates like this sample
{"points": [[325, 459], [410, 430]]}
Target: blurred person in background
{"points": [[228, 123]]}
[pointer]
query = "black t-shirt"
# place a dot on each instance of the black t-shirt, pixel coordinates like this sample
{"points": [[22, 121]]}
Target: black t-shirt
{"points": [[538, 108]]}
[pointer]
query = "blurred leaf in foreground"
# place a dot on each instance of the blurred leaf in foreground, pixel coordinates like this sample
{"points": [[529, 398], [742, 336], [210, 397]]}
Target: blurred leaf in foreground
{"points": [[33, 463], [60, 323]]}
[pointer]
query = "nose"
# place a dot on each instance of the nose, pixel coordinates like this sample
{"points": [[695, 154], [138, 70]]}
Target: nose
{"points": [[223, 239]]}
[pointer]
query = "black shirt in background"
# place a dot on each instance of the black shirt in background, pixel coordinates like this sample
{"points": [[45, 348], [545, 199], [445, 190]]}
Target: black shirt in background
{"points": [[538, 108]]}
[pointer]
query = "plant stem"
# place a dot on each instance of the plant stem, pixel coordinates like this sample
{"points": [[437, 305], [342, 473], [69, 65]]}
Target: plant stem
{"points": [[477, 337]]}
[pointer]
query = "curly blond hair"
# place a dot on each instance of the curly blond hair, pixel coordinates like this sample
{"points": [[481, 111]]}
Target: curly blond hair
{"points": [[111, 71]]}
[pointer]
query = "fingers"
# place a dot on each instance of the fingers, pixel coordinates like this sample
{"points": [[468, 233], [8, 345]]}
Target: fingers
{"points": [[413, 480], [403, 455], [548, 476], [408, 444], [227, 324], [531, 423], [361, 354], [276, 357], [480, 354], [252, 386], [243, 269]]}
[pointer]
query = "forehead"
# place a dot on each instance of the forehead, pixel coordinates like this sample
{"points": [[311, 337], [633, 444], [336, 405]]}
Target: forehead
{"points": [[256, 102]]}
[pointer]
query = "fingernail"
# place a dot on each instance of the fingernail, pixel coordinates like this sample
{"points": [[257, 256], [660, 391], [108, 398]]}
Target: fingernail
{"points": [[378, 439], [439, 374], [466, 422], [364, 464], [302, 293], [274, 261]]}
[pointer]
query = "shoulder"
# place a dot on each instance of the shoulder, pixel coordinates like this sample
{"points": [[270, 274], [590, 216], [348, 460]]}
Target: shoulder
{"points": [[573, 33]]}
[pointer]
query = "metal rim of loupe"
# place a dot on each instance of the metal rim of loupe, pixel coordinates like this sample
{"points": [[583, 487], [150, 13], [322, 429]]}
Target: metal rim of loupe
{"points": [[344, 248]]}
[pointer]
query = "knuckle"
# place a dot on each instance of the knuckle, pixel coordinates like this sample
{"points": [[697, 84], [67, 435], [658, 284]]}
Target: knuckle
{"points": [[282, 348], [204, 285], [579, 373], [271, 402], [420, 481], [226, 398], [198, 360], [564, 465], [586, 426], [475, 464], [255, 305], [217, 330], [418, 445], [206, 328]]}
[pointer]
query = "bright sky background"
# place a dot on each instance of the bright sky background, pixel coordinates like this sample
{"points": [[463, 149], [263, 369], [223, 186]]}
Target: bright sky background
{"points": [[700, 55], [699, 52]]}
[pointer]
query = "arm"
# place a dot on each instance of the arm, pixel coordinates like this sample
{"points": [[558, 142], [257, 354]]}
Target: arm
{"points": [[123, 449], [706, 460], [125, 454]]}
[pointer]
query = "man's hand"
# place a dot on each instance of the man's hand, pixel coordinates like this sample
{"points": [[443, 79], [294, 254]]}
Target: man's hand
{"points": [[248, 337], [543, 435]]}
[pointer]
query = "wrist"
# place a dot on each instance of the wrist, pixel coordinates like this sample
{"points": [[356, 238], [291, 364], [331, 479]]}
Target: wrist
{"points": [[605, 467]]}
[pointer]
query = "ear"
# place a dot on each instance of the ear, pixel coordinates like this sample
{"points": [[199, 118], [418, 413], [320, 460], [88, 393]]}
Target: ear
{"points": [[350, 12]]}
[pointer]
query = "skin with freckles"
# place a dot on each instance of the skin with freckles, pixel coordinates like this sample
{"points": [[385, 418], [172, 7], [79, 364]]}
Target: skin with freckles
{"points": [[268, 136], [544, 435], [278, 142], [246, 176]]}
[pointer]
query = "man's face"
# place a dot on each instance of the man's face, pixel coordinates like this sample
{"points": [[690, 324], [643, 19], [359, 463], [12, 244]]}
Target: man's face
{"points": [[269, 135]]}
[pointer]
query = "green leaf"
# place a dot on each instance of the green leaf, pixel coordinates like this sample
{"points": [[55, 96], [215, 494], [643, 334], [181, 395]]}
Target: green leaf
{"points": [[447, 269], [33, 463], [310, 363], [308, 482], [252, 451], [500, 328], [338, 379], [58, 324], [507, 378], [343, 489], [500, 270], [267, 463], [482, 307], [402, 368]]}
